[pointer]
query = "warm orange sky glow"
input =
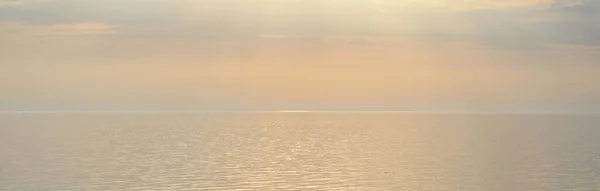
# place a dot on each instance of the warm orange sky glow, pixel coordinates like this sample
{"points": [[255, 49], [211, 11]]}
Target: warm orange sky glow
{"points": [[288, 55]]}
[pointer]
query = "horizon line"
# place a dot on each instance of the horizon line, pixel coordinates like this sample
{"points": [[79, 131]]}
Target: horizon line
{"points": [[301, 111]]}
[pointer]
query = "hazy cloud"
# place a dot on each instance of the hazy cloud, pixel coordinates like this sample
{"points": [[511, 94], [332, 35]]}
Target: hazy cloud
{"points": [[377, 53], [512, 24], [530, 23], [579, 22], [22, 29]]}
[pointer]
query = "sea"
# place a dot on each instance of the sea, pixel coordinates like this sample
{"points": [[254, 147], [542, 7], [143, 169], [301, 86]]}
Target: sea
{"points": [[299, 151]]}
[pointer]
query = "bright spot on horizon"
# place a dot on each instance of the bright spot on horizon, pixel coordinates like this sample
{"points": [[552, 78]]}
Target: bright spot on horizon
{"points": [[294, 111]]}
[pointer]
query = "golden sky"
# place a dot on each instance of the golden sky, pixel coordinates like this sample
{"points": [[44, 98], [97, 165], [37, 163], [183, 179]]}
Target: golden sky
{"points": [[432, 55]]}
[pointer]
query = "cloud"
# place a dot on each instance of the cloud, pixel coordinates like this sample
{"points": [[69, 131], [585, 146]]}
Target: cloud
{"points": [[579, 22], [513, 24], [471, 5], [305, 52], [76, 29], [7, 3], [12, 3], [558, 23]]}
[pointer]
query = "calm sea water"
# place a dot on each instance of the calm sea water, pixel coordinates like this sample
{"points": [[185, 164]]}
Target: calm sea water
{"points": [[298, 151]]}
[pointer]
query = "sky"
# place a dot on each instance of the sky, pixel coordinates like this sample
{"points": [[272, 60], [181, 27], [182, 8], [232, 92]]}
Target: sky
{"points": [[359, 55]]}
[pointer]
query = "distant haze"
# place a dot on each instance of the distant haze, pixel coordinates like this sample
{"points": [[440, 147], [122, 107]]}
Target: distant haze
{"points": [[401, 55]]}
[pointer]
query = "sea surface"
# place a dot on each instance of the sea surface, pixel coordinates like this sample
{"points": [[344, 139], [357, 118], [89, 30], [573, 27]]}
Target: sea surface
{"points": [[298, 151]]}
